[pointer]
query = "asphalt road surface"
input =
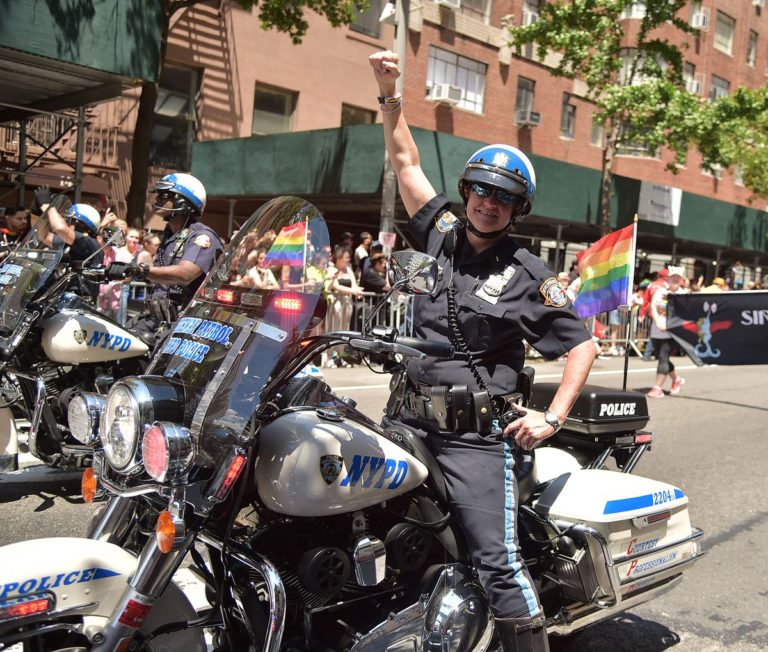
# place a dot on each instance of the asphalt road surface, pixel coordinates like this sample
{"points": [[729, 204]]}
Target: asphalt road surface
{"points": [[710, 441]]}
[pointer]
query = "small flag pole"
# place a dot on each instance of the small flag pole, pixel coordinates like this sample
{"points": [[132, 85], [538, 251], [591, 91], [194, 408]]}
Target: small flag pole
{"points": [[304, 260], [628, 307]]}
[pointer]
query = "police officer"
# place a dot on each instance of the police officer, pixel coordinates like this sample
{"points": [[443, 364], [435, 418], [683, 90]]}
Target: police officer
{"points": [[77, 228], [492, 295], [185, 255]]}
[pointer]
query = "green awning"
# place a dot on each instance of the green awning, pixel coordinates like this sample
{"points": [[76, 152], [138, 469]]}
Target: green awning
{"points": [[349, 161], [56, 55]]}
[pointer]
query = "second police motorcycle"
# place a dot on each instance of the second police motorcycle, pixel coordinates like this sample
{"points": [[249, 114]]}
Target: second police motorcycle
{"points": [[311, 527], [54, 342]]}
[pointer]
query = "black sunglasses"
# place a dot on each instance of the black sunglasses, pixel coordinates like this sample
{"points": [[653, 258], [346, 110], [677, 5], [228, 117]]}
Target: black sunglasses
{"points": [[483, 190]]}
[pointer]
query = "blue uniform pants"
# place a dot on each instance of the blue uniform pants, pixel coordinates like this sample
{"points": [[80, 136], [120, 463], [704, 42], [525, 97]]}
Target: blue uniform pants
{"points": [[482, 488]]}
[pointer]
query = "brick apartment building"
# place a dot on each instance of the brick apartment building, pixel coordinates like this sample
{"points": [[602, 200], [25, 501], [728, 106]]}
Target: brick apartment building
{"points": [[255, 116]]}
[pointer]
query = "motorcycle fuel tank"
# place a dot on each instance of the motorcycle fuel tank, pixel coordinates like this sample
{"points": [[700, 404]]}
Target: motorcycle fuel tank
{"points": [[313, 462], [76, 336]]}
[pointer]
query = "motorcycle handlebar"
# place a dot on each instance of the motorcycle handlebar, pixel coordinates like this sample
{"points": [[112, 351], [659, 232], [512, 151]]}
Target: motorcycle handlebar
{"points": [[435, 349], [96, 274]]}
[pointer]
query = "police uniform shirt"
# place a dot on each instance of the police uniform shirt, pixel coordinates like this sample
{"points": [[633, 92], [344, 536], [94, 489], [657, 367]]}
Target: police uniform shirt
{"points": [[81, 248], [196, 243], [504, 295]]}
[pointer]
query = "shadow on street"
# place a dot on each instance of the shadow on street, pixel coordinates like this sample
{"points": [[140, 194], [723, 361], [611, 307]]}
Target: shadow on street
{"points": [[626, 633], [48, 485]]}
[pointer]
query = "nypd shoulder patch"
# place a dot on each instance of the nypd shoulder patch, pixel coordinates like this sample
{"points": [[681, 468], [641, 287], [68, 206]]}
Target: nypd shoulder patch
{"points": [[553, 294], [446, 221]]}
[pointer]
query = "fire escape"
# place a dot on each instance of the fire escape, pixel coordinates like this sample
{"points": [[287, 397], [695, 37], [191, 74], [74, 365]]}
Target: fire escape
{"points": [[59, 149]]}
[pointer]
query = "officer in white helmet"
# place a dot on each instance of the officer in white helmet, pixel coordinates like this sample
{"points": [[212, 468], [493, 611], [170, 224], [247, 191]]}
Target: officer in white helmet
{"points": [[76, 227], [493, 296], [186, 253]]}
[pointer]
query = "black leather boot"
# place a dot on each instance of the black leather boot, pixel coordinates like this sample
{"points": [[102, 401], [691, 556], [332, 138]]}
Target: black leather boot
{"points": [[523, 634]]}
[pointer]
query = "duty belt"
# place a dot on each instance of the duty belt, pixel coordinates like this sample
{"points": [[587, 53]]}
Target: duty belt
{"points": [[456, 408]]}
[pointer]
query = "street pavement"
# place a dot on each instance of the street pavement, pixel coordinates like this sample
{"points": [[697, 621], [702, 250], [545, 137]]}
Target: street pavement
{"points": [[710, 442]]}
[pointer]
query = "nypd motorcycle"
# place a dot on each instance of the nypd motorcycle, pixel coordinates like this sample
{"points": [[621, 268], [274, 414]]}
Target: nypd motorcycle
{"points": [[310, 526], [53, 343]]}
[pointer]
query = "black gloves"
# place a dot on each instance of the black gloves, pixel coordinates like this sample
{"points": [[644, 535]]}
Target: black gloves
{"points": [[120, 271], [42, 197]]}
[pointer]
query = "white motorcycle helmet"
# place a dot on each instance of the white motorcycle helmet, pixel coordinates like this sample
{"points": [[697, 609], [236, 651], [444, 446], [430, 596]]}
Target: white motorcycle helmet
{"points": [[84, 216], [186, 192]]}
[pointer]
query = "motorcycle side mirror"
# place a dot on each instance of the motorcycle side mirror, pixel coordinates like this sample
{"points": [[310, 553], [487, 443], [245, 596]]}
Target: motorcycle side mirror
{"points": [[116, 238], [413, 272]]}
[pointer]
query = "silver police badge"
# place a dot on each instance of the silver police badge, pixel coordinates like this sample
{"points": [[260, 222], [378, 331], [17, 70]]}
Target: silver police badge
{"points": [[553, 293], [330, 467]]}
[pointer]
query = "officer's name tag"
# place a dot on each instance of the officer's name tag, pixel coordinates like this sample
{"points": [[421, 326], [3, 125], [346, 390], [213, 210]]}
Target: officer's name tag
{"points": [[491, 290]]}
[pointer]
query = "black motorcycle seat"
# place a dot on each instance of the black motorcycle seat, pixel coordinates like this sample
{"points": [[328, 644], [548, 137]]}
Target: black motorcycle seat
{"points": [[526, 487], [413, 444]]}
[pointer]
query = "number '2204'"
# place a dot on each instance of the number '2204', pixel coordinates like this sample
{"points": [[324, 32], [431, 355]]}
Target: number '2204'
{"points": [[661, 497]]}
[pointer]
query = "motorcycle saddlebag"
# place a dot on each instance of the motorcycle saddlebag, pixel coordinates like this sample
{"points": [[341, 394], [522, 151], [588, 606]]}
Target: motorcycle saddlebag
{"points": [[597, 410]]}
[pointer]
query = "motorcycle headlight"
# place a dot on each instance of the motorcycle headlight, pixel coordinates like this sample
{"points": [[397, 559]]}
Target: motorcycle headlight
{"points": [[120, 433], [132, 405], [84, 414]]}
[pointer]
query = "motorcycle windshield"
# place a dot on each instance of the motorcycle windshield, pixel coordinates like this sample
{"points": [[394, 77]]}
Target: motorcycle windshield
{"points": [[262, 296], [28, 268]]}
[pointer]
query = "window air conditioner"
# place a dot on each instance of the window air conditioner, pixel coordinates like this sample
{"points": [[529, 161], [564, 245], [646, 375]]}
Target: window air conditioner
{"points": [[758, 3], [693, 86], [529, 17], [527, 118], [700, 20], [445, 93], [451, 4]]}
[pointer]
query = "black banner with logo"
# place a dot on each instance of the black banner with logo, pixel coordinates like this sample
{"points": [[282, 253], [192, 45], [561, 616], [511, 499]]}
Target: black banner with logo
{"points": [[725, 328]]}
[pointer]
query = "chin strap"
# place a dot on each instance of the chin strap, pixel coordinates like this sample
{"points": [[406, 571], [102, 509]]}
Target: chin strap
{"points": [[489, 235]]}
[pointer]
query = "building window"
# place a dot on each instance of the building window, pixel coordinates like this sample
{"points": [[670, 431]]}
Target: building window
{"points": [[719, 87], [738, 174], [724, 29], [174, 122], [631, 143], [469, 75], [530, 12], [597, 137], [567, 117], [524, 101], [367, 22], [752, 48], [693, 83], [478, 9], [353, 115], [635, 10], [272, 110]]}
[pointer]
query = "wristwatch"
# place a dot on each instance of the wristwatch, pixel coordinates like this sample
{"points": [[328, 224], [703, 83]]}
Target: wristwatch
{"points": [[551, 418]]}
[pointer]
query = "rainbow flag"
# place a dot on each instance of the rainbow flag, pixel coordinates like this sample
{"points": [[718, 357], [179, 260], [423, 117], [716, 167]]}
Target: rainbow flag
{"points": [[288, 247], [607, 270]]}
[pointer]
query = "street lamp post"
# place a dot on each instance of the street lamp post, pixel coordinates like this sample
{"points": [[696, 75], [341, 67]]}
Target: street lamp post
{"points": [[389, 180]]}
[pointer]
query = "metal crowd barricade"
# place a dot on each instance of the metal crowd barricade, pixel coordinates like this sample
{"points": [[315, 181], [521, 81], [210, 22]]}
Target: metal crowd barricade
{"points": [[395, 313], [137, 296], [611, 329]]}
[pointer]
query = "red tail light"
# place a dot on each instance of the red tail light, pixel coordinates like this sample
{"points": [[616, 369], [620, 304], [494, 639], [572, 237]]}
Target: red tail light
{"points": [[288, 303], [643, 437], [233, 473], [225, 296], [25, 606]]}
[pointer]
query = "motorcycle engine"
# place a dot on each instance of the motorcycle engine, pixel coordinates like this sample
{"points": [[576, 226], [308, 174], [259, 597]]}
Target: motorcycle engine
{"points": [[357, 570]]}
